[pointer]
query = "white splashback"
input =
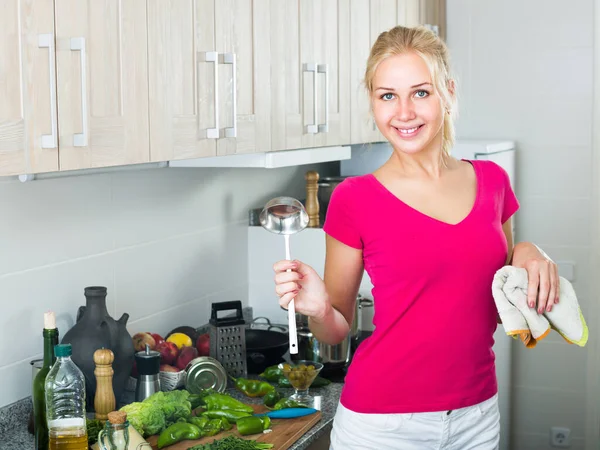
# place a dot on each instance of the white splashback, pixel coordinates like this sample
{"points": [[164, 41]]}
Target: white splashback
{"points": [[264, 249]]}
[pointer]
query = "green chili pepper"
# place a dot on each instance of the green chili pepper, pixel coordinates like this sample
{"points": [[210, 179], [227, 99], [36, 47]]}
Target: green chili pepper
{"points": [[252, 388], [222, 401], [253, 425], [230, 415], [215, 426], [272, 373], [288, 403], [177, 432], [199, 421], [196, 400], [271, 398]]}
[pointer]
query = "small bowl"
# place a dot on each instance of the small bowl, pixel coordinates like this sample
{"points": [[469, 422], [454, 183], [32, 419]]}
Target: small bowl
{"points": [[301, 373]]}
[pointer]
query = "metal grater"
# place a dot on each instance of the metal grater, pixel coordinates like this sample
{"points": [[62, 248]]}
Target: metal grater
{"points": [[228, 338]]}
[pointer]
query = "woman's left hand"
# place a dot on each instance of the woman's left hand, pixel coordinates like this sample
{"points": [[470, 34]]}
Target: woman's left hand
{"points": [[543, 277]]}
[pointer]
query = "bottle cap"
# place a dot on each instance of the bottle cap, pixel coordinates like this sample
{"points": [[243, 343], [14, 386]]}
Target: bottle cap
{"points": [[62, 350]]}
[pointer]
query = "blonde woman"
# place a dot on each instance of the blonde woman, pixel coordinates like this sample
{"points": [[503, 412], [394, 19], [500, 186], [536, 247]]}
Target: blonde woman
{"points": [[431, 231]]}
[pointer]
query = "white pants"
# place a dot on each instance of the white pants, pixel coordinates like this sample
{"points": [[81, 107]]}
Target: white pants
{"points": [[475, 427]]}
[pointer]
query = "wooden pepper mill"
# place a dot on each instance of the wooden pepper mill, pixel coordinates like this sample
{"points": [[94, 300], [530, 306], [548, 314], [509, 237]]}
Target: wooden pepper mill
{"points": [[104, 401], [312, 199]]}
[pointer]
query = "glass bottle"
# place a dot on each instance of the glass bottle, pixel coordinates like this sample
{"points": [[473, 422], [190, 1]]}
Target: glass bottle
{"points": [[65, 403], [50, 334]]}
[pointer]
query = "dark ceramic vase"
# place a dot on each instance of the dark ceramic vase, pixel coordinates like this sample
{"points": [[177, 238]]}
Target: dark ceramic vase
{"points": [[96, 329]]}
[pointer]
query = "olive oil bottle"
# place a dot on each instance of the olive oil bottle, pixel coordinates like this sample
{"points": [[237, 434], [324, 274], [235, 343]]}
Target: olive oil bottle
{"points": [[40, 425]]}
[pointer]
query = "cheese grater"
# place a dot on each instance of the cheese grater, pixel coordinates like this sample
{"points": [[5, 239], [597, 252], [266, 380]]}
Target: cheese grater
{"points": [[228, 338]]}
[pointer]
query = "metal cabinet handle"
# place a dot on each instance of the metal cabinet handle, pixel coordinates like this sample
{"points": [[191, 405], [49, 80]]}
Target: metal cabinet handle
{"points": [[81, 139], [213, 57], [229, 58], [47, 41], [314, 127], [324, 127]]}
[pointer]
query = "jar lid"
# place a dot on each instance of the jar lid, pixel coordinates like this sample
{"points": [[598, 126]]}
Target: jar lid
{"points": [[205, 372]]}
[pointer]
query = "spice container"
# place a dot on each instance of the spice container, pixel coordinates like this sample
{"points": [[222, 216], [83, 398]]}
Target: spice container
{"points": [[205, 372]]}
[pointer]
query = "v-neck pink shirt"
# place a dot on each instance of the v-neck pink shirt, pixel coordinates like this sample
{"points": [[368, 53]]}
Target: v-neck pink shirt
{"points": [[435, 316]]}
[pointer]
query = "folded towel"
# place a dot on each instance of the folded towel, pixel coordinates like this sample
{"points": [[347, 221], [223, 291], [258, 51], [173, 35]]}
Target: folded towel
{"points": [[519, 320]]}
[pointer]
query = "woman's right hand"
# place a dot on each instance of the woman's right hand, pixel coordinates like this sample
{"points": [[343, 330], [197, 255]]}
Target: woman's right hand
{"points": [[304, 285]]}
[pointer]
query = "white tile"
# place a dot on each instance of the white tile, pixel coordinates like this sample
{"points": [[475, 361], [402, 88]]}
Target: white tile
{"points": [[49, 221], [541, 441], [153, 277], [556, 171], [27, 295], [550, 365], [195, 313], [16, 381], [535, 410], [556, 221], [156, 204]]}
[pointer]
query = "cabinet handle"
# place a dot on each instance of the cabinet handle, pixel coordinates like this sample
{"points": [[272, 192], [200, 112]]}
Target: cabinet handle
{"points": [[309, 67], [229, 58], [324, 127], [47, 41], [80, 139], [213, 57]]}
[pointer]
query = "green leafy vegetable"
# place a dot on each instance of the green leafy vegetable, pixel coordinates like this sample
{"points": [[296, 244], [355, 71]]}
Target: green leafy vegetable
{"points": [[232, 443], [93, 428], [158, 411]]}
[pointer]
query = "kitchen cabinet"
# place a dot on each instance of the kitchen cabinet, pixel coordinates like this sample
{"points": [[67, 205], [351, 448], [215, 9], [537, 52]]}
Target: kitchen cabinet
{"points": [[28, 128], [102, 85], [208, 77], [73, 82], [368, 19], [310, 56]]}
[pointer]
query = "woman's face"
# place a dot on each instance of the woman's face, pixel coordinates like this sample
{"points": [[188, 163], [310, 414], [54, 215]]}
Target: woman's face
{"points": [[406, 107]]}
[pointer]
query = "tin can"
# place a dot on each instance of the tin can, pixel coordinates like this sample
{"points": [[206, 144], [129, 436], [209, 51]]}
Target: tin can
{"points": [[205, 372]]}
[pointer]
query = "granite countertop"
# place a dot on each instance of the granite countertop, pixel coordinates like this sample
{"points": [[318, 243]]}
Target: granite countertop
{"points": [[14, 434]]}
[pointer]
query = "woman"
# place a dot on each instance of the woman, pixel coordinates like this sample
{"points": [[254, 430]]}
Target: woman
{"points": [[431, 231]]}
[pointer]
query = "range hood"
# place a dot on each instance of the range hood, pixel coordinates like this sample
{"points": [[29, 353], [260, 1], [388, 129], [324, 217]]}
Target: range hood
{"points": [[271, 160], [267, 160]]}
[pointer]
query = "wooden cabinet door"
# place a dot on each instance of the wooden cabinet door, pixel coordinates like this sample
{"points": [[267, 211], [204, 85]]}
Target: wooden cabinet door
{"points": [[28, 122], [369, 18], [102, 82], [182, 63], [242, 41], [331, 31], [293, 71]]}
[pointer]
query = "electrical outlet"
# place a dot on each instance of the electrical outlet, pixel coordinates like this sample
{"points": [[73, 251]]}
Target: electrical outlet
{"points": [[560, 437]]}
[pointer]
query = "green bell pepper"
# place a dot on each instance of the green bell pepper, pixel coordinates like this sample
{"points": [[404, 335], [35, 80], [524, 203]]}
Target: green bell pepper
{"points": [[177, 432], [271, 398], [252, 388], [222, 401], [253, 425], [231, 415]]}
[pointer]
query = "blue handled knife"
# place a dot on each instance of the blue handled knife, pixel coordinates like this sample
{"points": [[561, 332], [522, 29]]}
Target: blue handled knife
{"points": [[289, 413]]}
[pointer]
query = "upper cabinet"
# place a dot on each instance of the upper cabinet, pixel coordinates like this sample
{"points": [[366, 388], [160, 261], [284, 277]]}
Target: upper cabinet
{"points": [[309, 60], [102, 83], [368, 19], [74, 80], [208, 77], [28, 123], [97, 83]]}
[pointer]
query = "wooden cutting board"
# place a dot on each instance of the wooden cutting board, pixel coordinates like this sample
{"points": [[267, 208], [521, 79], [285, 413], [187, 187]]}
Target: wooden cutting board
{"points": [[285, 432]]}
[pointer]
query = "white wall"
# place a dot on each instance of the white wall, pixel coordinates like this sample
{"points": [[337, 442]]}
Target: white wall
{"points": [[525, 73], [166, 243]]}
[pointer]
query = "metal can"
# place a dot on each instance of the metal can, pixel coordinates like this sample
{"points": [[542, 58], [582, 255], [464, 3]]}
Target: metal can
{"points": [[205, 372]]}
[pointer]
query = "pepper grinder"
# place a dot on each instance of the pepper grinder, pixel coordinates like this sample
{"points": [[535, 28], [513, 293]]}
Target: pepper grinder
{"points": [[312, 198], [104, 400], [148, 365]]}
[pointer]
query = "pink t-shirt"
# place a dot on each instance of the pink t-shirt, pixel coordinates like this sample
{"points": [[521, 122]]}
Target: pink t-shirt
{"points": [[435, 316]]}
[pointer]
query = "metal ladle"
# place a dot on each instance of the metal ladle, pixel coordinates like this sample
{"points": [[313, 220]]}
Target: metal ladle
{"points": [[285, 215]]}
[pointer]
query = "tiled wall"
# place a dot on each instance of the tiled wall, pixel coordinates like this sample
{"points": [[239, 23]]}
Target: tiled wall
{"points": [[166, 243], [525, 73]]}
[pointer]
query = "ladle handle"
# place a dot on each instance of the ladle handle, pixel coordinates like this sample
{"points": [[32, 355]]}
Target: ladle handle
{"points": [[293, 336]]}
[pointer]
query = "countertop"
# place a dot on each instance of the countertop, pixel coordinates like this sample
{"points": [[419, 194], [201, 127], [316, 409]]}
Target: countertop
{"points": [[14, 434]]}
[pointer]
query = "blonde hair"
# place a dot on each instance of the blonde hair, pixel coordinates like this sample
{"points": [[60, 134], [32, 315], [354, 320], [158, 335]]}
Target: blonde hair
{"points": [[433, 50]]}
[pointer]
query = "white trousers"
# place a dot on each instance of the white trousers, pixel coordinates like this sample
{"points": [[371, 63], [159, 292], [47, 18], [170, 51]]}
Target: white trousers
{"points": [[474, 427]]}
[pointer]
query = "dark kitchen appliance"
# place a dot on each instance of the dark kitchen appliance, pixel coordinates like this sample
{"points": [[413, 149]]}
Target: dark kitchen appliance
{"points": [[265, 346]]}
